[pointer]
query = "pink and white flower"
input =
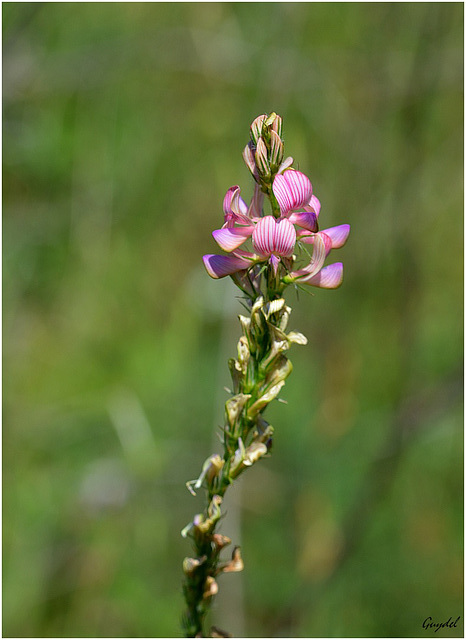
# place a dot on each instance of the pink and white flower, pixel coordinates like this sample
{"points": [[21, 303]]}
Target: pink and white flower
{"points": [[293, 191], [274, 239]]}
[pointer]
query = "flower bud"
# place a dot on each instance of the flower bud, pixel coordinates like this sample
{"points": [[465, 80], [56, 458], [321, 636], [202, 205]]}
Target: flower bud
{"points": [[276, 150], [277, 125], [248, 157], [262, 162], [256, 128]]}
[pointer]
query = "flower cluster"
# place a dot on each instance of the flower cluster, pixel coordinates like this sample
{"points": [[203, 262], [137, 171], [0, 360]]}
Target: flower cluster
{"points": [[292, 226], [277, 242]]}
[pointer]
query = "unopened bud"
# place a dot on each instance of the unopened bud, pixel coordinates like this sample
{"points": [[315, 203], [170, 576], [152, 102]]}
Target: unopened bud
{"points": [[277, 125], [261, 158], [276, 150], [256, 128], [249, 159]]}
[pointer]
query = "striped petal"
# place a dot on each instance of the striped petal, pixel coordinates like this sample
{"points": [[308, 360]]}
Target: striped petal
{"points": [[230, 238], [303, 236], [292, 189], [274, 236], [329, 277], [319, 253], [285, 238], [221, 266]]}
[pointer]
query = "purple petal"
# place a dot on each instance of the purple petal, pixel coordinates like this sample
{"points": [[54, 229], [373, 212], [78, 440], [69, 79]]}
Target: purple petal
{"points": [[274, 261], [329, 277], [221, 266], [306, 220], [338, 235], [230, 238], [292, 189]]}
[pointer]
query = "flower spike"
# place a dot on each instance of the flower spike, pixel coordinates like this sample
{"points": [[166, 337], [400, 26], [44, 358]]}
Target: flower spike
{"points": [[266, 249]]}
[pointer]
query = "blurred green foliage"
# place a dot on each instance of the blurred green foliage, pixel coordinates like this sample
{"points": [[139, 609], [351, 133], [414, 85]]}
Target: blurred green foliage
{"points": [[123, 127]]}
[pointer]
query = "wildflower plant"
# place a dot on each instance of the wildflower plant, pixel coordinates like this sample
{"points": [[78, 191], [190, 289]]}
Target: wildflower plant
{"points": [[264, 253]]}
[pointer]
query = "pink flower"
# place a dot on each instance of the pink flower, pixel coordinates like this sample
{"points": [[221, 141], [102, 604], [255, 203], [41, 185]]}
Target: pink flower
{"points": [[293, 191], [274, 239]]}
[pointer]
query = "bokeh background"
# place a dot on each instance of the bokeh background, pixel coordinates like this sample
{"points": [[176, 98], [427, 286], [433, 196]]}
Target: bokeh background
{"points": [[123, 127]]}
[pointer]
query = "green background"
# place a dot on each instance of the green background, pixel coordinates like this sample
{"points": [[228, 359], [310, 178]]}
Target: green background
{"points": [[123, 127]]}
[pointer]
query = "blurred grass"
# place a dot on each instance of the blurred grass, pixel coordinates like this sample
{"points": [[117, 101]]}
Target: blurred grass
{"points": [[123, 127]]}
